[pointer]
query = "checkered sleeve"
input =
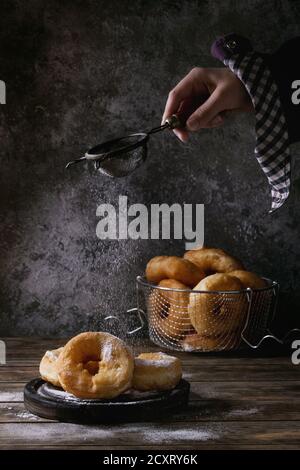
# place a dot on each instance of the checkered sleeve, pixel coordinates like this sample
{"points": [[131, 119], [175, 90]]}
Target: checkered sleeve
{"points": [[272, 148]]}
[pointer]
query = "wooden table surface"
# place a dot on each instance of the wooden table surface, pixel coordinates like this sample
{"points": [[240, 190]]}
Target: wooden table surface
{"points": [[236, 402]]}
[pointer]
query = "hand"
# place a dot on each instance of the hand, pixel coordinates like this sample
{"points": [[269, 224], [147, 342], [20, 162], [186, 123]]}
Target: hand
{"points": [[212, 91]]}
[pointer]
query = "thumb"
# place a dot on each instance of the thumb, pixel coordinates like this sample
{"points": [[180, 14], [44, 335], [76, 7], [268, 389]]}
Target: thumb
{"points": [[205, 113]]}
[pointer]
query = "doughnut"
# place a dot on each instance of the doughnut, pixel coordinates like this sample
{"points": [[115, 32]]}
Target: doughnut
{"points": [[198, 342], [249, 279], [213, 260], [95, 365], [168, 310], [156, 371], [173, 267], [48, 366], [216, 314], [174, 297]]}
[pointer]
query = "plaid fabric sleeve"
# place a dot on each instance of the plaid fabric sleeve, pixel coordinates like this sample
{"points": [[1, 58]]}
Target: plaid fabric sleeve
{"points": [[272, 148]]}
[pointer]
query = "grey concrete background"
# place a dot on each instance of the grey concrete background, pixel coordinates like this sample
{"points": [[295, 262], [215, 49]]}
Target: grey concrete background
{"points": [[78, 72]]}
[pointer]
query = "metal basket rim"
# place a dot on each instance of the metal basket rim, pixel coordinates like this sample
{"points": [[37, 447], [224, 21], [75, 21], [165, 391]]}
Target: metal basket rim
{"points": [[272, 284]]}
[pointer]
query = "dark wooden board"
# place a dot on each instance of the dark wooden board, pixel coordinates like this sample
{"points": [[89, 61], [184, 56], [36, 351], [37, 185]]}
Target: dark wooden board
{"points": [[49, 402]]}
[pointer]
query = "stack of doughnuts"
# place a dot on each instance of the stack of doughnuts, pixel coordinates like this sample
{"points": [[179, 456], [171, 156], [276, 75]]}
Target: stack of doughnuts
{"points": [[101, 366], [199, 300]]}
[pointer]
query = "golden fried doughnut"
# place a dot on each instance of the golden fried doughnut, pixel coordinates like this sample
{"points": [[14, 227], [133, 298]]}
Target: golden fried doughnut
{"points": [[168, 310], [196, 342], [156, 371], [48, 366], [173, 267], [95, 365], [216, 314], [249, 279], [213, 260], [174, 297]]}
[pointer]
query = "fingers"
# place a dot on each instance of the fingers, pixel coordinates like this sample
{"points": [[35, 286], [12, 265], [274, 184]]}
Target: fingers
{"points": [[215, 122], [183, 90], [174, 100], [182, 134], [207, 115]]}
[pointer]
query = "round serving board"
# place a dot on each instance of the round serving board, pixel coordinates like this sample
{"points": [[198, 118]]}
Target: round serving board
{"points": [[47, 401]]}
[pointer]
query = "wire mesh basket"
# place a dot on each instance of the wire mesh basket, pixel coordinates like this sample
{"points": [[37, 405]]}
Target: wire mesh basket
{"points": [[186, 320]]}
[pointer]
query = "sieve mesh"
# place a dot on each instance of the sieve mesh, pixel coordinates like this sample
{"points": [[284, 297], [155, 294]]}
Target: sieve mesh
{"points": [[122, 164]]}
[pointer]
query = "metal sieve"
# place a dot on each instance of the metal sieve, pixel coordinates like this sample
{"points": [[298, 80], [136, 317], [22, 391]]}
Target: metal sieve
{"points": [[120, 157]]}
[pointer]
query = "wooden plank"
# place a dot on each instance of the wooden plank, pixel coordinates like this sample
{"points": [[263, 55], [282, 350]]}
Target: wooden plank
{"points": [[16, 413], [11, 392], [247, 391], [30, 350], [150, 448], [195, 435], [18, 374], [197, 411], [242, 371]]}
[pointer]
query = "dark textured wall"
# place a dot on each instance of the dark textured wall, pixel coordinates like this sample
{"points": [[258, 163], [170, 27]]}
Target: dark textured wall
{"points": [[78, 72]]}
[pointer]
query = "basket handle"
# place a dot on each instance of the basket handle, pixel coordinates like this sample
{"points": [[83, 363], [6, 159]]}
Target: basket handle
{"points": [[269, 334], [139, 313]]}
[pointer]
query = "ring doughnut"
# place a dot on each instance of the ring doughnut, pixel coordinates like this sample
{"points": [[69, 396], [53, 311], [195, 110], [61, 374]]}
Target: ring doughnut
{"points": [[174, 297], [249, 279], [173, 267], [198, 342], [216, 314], [95, 365], [156, 371], [48, 366], [213, 260], [169, 310]]}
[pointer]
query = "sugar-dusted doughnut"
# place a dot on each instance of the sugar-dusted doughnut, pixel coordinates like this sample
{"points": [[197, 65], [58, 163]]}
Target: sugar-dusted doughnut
{"points": [[169, 309], [48, 366], [213, 260], [196, 342], [215, 313], [171, 293], [95, 365], [249, 279], [173, 267], [156, 371]]}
